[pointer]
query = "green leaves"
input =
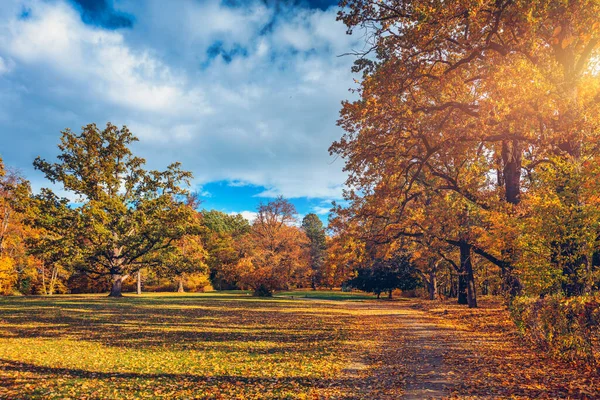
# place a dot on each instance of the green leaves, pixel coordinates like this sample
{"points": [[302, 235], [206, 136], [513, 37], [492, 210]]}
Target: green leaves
{"points": [[127, 217]]}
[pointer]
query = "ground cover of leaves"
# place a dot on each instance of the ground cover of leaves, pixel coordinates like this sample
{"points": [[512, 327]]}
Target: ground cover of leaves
{"points": [[196, 346], [486, 357], [233, 346]]}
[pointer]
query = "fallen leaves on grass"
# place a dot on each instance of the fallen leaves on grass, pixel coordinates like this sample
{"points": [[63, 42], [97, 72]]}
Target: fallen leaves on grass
{"points": [[494, 361], [214, 347]]}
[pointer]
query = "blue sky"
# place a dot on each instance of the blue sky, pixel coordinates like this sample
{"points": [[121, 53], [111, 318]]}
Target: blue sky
{"points": [[245, 93]]}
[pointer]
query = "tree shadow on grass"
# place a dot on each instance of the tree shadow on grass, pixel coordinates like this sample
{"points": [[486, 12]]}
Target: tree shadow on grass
{"points": [[180, 325], [33, 375]]}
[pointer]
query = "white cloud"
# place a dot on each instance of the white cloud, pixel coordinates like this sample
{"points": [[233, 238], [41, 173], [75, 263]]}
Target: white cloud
{"points": [[265, 118], [5, 66], [55, 36], [320, 210], [249, 215]]}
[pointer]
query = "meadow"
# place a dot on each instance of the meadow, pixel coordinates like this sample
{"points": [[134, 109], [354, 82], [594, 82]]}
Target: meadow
{"points": [[178, 346], [296, 345]]}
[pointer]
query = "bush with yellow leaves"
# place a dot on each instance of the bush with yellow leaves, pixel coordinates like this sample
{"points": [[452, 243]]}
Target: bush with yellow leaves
{"points": [[8, 276], [569, 328]]}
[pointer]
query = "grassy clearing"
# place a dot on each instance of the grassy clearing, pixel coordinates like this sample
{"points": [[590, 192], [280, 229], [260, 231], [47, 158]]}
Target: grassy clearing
{"points": [[177, 346], [235, 346]]}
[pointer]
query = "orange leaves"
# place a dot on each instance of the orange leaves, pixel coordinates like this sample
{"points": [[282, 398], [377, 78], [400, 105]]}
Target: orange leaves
{"points": [[482, 129], [275, 252], [500, 364]]}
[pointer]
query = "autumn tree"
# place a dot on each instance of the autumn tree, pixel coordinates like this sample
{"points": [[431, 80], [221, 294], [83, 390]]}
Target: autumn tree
{"points": [[345, 248], [274, 254], [17, 268], [186, 259], [315, 231], [125, 217], [457, 93], [54, 242]]}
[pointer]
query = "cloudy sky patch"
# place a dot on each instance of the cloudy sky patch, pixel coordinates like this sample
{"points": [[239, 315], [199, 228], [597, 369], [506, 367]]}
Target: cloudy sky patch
{"points": [[244, 93]]}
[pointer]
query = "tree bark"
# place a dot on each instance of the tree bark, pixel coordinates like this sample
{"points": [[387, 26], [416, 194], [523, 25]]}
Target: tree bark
{"points": [[139, 282], [462, 289], [466, 267], [117, 286], [512, 157], [180, 286], [432, 285]]}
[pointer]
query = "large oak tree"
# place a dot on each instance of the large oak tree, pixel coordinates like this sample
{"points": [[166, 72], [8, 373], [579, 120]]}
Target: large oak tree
{"points": [[124, 216]]}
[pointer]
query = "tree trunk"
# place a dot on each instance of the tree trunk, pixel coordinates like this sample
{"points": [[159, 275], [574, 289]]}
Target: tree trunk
{"points": [[466, 267], [180, 286], [462, 289], [390, 294], [453, 290], [117, 286], [139, 282], [512, 157], [53, 279], [432, 285], [378, 295], [44, 280]]}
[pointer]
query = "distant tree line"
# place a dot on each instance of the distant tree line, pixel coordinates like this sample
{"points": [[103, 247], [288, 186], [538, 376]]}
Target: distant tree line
{"points": [[126, 227]]}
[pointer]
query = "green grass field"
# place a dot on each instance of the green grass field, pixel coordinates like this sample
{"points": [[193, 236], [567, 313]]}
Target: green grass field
{"points": [[177, 346]]}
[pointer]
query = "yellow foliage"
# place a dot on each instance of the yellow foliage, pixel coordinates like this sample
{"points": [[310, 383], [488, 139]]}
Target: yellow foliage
{"points": [[8, 275]]}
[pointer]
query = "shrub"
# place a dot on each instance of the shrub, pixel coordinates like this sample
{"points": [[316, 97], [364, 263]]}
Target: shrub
{"points": [[8, 276], [263, 291], [197, 282], [386, 275], [80, 282], [568, 328]]}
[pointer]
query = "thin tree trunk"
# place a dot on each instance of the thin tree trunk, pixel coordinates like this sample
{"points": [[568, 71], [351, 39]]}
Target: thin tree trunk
{"points": [[432, 284], [466, 267], [180, 285], [139, 282], [512, 156], [4, 229], [44, 280], [390, 294], [53, 280]]}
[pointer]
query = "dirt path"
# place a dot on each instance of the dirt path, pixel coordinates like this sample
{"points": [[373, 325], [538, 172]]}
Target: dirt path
{"points": [[420, 350], [419, 344], [404, 357], [425, 343]]}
